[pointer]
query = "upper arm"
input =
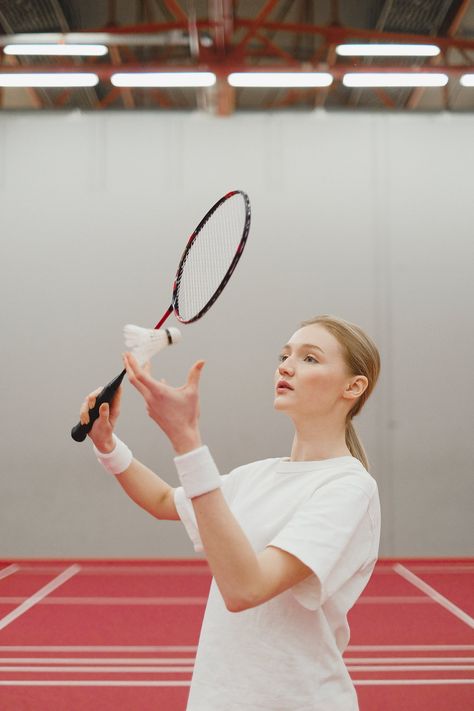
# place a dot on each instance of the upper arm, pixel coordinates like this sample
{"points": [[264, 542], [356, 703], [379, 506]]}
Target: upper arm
{"points": [[167, 508], [279, 571]]}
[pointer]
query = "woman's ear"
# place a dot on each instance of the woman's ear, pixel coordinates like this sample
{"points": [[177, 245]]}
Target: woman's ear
{"points": [[355, 387]]}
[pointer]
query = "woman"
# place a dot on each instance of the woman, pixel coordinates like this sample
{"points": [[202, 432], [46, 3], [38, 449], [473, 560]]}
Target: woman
{"points": [[291, 542]]}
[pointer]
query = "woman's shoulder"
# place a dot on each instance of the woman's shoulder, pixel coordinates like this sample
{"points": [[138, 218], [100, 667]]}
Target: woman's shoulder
{"points": [[355, 474], [257, 466]]}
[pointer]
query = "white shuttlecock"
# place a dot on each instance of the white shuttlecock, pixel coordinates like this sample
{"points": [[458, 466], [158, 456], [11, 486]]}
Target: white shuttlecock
{"points": [[144, 343]]}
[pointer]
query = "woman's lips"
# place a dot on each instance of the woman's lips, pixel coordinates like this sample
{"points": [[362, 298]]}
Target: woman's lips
{"points": [[283, 385]]}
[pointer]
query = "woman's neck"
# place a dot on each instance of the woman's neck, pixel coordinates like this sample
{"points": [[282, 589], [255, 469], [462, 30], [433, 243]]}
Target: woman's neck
{"points": [[318, 440]]}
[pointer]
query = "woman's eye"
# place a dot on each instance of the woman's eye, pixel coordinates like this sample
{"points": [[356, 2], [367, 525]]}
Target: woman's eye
{"points": [[311, 358], [281, 358]]}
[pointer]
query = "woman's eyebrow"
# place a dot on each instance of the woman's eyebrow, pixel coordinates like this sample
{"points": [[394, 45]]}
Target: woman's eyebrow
{"points": [[304, 345]]}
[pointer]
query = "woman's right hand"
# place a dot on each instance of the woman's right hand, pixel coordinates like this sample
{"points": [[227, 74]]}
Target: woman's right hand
{"points": [[103, 427]]}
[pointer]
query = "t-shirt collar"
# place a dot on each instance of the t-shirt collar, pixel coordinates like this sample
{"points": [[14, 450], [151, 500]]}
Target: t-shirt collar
{"points": [[285, 466]]}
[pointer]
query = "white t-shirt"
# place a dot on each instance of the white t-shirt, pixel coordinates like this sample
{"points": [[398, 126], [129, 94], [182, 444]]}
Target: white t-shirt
{"points": [[286, 654]]}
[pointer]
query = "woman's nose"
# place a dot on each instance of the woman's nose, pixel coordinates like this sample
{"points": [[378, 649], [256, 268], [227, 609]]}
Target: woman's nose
{"points": [[286, 368]]}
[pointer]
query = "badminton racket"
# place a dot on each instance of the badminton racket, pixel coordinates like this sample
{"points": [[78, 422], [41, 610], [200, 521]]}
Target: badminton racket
{"points": [[208, 261]]}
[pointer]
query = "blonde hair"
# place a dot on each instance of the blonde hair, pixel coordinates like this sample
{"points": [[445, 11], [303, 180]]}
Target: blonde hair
{"points": [[362, 358]]}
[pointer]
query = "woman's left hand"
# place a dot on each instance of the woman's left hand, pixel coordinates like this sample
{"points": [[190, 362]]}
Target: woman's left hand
{"points": [[175, 410]]}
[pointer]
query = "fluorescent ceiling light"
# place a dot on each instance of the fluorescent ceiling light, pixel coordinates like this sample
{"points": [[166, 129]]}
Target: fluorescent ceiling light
{"points": [[280, 79], [53, 79], [83, 50], [164, 79], [467, 80], [361, 79], [387, 50]]}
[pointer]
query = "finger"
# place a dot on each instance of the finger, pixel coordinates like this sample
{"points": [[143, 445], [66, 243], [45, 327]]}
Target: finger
{"points": [[195, 373], [104, 411], [133, 375], [84, 416], [141, 375], [115, 402]]}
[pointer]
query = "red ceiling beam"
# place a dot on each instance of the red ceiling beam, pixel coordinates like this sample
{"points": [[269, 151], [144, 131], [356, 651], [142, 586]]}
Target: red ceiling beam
{"points": [[338, 35], [125, 92], [415, 96], [221, 13], [255, 24], [333, 34], [176, 10], [276, 50]]}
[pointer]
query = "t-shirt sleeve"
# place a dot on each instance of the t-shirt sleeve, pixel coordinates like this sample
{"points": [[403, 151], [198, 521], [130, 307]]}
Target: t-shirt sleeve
{"points": [[331, 534], [186, 513]]}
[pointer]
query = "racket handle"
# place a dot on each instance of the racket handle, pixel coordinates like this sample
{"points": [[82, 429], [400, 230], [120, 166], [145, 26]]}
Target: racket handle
{"points": [[79, 432]]}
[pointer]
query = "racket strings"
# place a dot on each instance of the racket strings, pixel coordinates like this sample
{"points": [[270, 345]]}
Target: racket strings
{"points": [[210, 256]]}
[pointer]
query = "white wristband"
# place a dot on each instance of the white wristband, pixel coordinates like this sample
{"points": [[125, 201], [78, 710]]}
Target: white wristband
{"points": [[197, 472], [116, 461]]}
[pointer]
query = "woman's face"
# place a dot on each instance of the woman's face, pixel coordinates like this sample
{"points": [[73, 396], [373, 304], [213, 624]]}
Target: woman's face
{"points": [[312, 365]]}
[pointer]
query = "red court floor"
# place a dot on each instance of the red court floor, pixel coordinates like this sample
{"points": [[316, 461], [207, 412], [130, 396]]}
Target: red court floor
{"points": [[95, 634]]}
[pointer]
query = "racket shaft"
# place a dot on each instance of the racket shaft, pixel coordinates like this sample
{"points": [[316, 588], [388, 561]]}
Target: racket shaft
{"points": [[79, 432]]}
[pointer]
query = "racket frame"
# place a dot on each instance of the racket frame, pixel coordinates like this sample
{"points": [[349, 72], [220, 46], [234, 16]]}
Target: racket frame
{"points": [[79, 432]]}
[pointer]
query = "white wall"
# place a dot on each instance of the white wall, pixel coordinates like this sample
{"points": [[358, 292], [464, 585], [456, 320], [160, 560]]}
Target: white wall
{"points": [[365, 216]]}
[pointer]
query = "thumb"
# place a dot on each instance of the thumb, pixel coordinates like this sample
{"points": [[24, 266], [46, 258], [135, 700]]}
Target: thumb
{"points": [[195, 373], [104, 411]]}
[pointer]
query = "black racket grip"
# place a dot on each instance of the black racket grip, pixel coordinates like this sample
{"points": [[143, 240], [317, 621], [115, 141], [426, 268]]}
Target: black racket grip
{"points": [[79, 432]]}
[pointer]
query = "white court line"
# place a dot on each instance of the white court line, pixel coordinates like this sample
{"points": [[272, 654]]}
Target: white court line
{"points": [[409, 682], [409, 647], [9, 570], [410, 667], [12, 682], [99, 660], [42, 592], [113, 600], [128, 661], [163, 661], [383, 660], [193, 648], [99, 670], [187, 669], [434, 594], [97, 600], [97, 648], [357, 682]]}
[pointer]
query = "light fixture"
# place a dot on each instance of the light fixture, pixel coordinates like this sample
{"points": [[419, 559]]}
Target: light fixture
{"points": [[163, 79], [84, 50], [280, 79], [387, 50], [48, 80], [381, 79], [467, 80]]}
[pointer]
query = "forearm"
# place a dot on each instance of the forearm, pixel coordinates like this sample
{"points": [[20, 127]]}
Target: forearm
{"points": [[233, 562], [144, 487]]}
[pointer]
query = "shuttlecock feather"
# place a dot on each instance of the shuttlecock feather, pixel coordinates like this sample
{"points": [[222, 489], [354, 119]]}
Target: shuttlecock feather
{"points": [[144, 343]]}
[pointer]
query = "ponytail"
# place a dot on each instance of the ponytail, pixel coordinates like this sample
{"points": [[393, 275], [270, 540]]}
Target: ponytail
{"points": [[355, 445]]}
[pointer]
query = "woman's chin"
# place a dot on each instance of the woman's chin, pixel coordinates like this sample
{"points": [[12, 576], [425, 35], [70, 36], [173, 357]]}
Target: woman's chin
{"points": [[280, 404]]}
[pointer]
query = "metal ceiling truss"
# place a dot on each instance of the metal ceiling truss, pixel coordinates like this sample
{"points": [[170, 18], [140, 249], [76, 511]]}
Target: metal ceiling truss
{"points": [[170, 36]]}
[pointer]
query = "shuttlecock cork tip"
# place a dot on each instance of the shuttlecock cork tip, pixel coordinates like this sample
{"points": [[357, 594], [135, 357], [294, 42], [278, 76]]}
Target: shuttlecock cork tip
{"points": [[175, 334]]}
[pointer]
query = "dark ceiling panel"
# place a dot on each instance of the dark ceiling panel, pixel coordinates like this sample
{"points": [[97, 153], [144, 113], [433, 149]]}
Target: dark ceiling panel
{"points": [[293, 33]]}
